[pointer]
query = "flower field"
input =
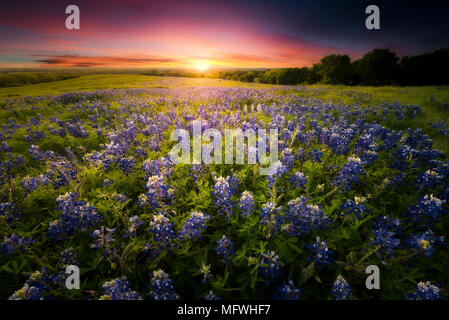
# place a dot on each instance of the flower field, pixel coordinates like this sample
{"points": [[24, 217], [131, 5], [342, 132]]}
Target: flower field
{"points": [[86, 180]]}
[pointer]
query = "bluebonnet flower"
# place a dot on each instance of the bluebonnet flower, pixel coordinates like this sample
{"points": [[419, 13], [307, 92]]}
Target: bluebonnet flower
{"points": [[428, 208], [34, 137], [417, 139], [4, 146], [61, 132], [205, 271], [271, 217], [162, 287], [37, 287], [315, 155], [425, 243], [425, 291], [127, 165], [120, 197], [211, 296], [269, 266], [194, 226], [36, 152], [69, 257], [157, 192], [134, 224], [287, 291], [277, 169], [76, 216], [107, 182], [348, 176], [15, 243], [429, 180], [302, 217], [224, 189], [76, 130], [300, 154], [287, 158], [397, 180], [368, 157], [341, 290], [246, 203], [441, 126], [9, 212], [355, 207], [321, 254], [140, 152], [385, 231], [12, 163], [118, 289], [225, 248], [62, 171], [299, 180], [195, 170], [162, 229], [103, 240], [338, 137], [30, 184], [162, 166]]}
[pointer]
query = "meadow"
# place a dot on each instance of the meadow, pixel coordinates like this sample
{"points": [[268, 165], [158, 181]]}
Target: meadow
{"points": [[363, 179]]}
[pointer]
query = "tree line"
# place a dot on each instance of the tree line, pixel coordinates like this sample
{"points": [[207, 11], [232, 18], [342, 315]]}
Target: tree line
{"points": [[378, 67]]}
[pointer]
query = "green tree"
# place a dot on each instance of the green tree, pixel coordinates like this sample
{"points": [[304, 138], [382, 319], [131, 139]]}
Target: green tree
{"points": [[377, 67], [335, 69]]}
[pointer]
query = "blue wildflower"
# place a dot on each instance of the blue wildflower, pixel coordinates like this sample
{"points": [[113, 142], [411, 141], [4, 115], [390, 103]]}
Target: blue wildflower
{"points": [[385, 232], [246, 203], [341, 290], [321, 254], [118, 289], [355, 207], [269, 266], [287, 291], [162, 287], [225, 248], [298, 179], [194, 226], [425, 291], [425, 243]]}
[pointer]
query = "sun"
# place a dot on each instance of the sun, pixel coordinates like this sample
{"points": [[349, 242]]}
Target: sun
{"points": [[201, 65]]}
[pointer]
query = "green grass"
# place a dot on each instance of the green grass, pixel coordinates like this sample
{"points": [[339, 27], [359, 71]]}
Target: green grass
{"points": [[119, 81]]}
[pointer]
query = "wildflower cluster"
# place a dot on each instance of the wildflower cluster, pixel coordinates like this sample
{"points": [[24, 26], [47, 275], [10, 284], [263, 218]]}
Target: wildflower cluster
{"points": [[321, 255], [76, 216], [349, 174], [246, 203], [355, 207], [385, 232], [223, 191], [162, 287], [287, 291], [194, 226], [425, 291], [269, 266], [225, 248], [341, 290], [118, 289]]}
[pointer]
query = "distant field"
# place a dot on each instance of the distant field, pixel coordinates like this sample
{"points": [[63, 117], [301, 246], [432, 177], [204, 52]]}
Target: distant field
{"points": [[434, 100], [92, 82]]}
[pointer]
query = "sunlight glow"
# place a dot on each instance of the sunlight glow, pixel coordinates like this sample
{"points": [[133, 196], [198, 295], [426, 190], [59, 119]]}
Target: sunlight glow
{"points": [[201, 65]]}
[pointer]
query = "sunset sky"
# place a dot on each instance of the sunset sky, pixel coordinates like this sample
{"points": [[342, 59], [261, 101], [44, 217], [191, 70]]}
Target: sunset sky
{"points": [[202, 34]]}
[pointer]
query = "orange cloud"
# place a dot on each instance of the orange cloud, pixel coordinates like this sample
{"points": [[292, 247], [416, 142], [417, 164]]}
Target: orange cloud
{"points": [[103, 61]]}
